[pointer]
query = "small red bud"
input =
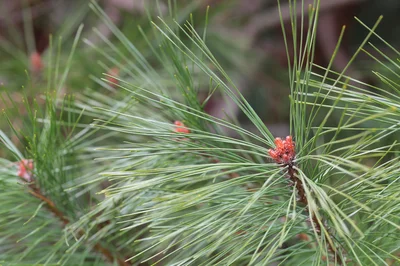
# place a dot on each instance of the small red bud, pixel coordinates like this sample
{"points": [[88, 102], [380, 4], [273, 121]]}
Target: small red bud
{"points": [[181, 128], [303, 237], [273, 154], [278, 142], [115, 73], [36, 62], [25, 169]]}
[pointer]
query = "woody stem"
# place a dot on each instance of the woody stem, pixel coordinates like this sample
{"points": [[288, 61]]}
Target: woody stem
{"points": [[35, 191], [319, 225]]}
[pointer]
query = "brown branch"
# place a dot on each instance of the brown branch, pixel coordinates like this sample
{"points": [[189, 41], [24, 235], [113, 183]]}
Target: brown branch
{"points": [[319, 225], [35, 191], [284, 154], [50, 205]]}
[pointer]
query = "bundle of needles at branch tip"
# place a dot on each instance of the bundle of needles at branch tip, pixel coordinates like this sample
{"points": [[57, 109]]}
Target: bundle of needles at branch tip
{"points": [[137, 145]]}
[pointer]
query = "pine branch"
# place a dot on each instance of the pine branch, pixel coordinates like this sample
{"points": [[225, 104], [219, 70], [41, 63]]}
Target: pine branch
{"points": [[284, 154], [25, 173], [319, 225], [35, 191]]}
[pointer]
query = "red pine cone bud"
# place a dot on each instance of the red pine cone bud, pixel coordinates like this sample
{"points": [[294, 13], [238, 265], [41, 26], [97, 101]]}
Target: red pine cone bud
{"points": [[36, 62], [115, 73], [25, 169], [181, 128], [284, 152]]}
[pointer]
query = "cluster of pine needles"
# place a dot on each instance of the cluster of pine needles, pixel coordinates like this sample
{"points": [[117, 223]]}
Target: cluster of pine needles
{"points": [[134, 171]]}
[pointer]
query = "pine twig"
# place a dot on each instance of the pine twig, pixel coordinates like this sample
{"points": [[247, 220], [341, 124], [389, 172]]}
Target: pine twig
{"points": [[34, 191], [284, 154], [25, 173], [319, 226]]}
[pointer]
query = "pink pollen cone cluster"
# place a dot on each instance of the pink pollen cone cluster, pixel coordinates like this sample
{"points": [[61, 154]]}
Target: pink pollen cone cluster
{"points": [[36, 62], [25, 168], [181, 128], [115, 73], [284, 152]]}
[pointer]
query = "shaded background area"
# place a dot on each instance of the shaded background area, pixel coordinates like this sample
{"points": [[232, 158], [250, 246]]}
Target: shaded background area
{"points": [[244, 35]]}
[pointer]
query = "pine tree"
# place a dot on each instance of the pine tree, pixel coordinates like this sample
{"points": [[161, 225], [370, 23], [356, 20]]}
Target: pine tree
{"points": [[140, 173]]}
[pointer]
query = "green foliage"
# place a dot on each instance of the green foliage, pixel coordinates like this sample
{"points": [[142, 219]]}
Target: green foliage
{"points": [[114, 164]]}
